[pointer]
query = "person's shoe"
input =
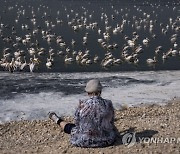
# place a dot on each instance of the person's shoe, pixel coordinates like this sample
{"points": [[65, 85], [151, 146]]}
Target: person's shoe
{"points": [[53, 116]]}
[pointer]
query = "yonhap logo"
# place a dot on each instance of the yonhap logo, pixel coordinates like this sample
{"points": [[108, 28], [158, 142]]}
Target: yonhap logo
{"points": [[129, 139]]}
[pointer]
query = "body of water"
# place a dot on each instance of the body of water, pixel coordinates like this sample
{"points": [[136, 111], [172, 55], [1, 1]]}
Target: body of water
{"points": [[32, 96], [71, 33], [132, 46]]}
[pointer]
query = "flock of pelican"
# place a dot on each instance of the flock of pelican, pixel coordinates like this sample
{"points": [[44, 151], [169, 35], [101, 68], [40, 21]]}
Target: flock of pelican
{"points": [[36, 38]]}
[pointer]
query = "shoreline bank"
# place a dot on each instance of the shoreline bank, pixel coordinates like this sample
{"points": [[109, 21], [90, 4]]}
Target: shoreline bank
{"points": [[148, 121]]}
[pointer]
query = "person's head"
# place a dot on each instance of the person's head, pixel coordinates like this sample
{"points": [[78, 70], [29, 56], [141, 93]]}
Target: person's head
{"points": [[93, 87]]}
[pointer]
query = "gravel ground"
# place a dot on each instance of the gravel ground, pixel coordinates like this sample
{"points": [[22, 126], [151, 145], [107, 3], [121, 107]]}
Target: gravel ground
{"points": [[160, 123]]}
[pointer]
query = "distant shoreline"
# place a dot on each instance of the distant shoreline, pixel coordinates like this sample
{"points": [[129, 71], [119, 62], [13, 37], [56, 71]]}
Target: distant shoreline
{"points": [[43, 136]]}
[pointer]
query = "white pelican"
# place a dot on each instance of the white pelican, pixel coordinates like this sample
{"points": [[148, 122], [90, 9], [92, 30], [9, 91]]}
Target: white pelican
{"points": [[12, 66], [32, 51], [96, 59], [49, 63], [83, 61], [151, 61], [17, 53], [41, 51], [60, 53], [139, 49], [175, 45], [74, 53], [158, 49], [117, 61], [100, 40], [73, 42], [129, 58], [174, 52], [31, 65], [99, 31], [131, 43], [164, 57], [23, 65], [107, 63], [68, 60], [79, 56], [146, 41], [115, 31], [136, 61]]}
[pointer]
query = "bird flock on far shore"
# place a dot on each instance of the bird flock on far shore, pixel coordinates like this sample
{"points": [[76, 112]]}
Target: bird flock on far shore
{"points": [[22, 39]]}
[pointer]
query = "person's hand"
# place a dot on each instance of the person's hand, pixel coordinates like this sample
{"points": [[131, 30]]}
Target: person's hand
{"points": [[81, 105]]}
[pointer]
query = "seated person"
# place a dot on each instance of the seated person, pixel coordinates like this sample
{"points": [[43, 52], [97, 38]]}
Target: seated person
{"points": [[94, 120]]}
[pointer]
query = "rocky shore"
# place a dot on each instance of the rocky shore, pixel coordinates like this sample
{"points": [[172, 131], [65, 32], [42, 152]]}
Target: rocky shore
{"points": [[156, 129]]}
